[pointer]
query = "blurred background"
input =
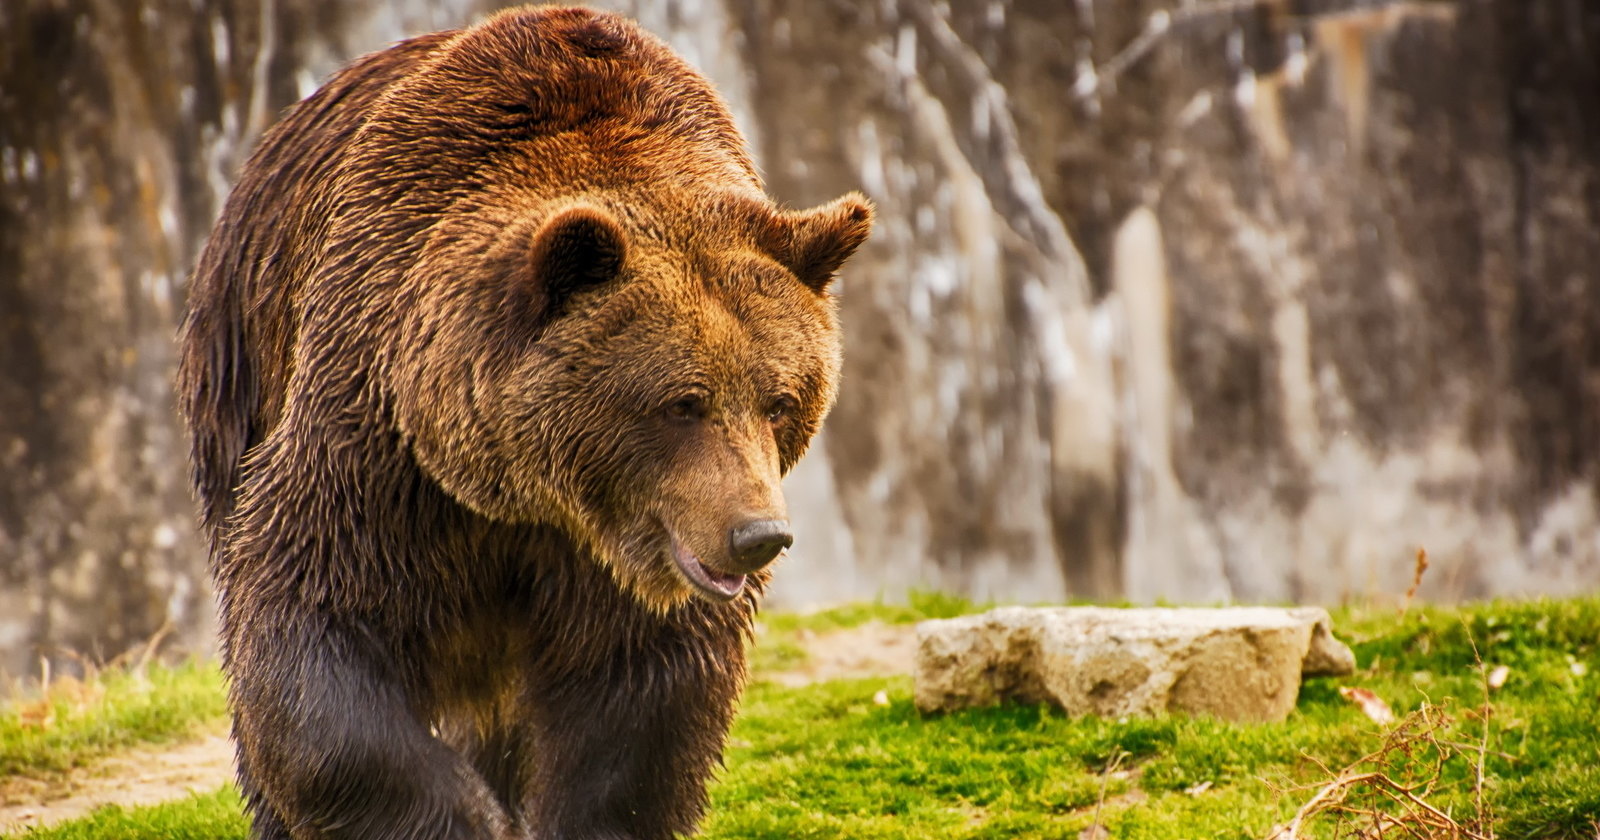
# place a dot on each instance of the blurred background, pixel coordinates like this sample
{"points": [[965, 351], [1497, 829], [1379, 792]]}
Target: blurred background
{"points": [[1168, 300]]}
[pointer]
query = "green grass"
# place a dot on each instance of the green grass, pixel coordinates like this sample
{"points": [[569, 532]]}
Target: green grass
{"points": [[827, 761], [76, 722], [857, 769]]}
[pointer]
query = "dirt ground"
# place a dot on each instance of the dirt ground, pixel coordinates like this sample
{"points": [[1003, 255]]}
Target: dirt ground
{"points": [[150, 775], [138, 777], [871, 650]]}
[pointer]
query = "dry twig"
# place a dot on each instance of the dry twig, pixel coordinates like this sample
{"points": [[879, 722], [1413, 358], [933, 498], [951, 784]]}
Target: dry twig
{"points": [[1483, 741], [1095, 828], [1416, 580], [1386, 792]]}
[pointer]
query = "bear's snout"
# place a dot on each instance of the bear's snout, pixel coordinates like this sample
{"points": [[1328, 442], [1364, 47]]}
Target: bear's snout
{"points": [[757, 542]]}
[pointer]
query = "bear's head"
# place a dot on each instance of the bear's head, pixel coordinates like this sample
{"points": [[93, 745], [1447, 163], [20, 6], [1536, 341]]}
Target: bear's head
{"points": [[639, 373]]}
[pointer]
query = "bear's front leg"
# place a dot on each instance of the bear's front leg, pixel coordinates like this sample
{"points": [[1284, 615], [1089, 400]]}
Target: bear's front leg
{"points": [[624, 752], [331, 746]]}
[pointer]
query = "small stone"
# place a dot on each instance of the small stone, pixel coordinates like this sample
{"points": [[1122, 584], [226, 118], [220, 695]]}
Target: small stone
{"points": [[1239, 663]]}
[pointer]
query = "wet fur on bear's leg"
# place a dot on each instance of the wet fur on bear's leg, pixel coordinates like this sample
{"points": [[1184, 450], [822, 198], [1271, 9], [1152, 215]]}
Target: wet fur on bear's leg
{"points": [[626, 749], [337, 751], [499, 745], [265, 824]]}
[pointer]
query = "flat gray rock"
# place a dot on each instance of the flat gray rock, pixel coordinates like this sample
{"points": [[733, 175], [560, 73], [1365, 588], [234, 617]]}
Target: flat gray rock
{"points": [[1237, 663]]}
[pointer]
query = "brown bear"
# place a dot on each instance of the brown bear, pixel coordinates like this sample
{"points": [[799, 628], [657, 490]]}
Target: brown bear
{"points": [[492, 366]]}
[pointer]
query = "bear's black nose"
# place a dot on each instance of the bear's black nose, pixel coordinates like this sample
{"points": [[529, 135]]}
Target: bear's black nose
{"points": [[754, 544]]}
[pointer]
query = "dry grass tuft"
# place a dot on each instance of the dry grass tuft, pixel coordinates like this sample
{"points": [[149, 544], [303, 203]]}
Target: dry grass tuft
{"points": [[74, 694]]}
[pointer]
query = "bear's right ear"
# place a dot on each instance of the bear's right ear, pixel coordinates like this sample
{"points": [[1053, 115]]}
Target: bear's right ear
{"points": [[815, 243], [577, 248]]}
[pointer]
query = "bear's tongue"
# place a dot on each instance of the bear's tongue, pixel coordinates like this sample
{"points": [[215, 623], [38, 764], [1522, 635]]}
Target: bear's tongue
{"points": [[714, 584]]}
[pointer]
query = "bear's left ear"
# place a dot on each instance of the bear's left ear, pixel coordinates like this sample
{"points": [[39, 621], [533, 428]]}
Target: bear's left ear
{"points": [[577, 248], [814, 243]]}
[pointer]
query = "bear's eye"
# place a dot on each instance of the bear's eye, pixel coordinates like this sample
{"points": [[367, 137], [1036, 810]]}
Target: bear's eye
{"points": [[780, 409], [687, 408]]}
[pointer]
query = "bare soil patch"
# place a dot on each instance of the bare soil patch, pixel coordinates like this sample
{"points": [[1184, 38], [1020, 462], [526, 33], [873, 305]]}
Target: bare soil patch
{"points": [[873, 649], [138, 777]]}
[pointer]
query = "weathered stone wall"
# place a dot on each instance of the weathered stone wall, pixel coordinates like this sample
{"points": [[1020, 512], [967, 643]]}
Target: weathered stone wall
{"points": [[121, 126], [1200, 301], [1228, 301]]}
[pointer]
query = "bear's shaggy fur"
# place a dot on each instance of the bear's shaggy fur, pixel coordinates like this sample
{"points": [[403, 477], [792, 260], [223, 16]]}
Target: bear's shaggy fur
{"points": [[492, 366]]}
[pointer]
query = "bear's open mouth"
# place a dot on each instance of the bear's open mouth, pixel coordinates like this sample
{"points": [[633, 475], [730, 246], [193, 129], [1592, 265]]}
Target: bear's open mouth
{"points": [[718, 586]]}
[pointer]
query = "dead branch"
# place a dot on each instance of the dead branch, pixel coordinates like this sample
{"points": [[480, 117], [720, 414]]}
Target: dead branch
{"points": [[1388, 790]]}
